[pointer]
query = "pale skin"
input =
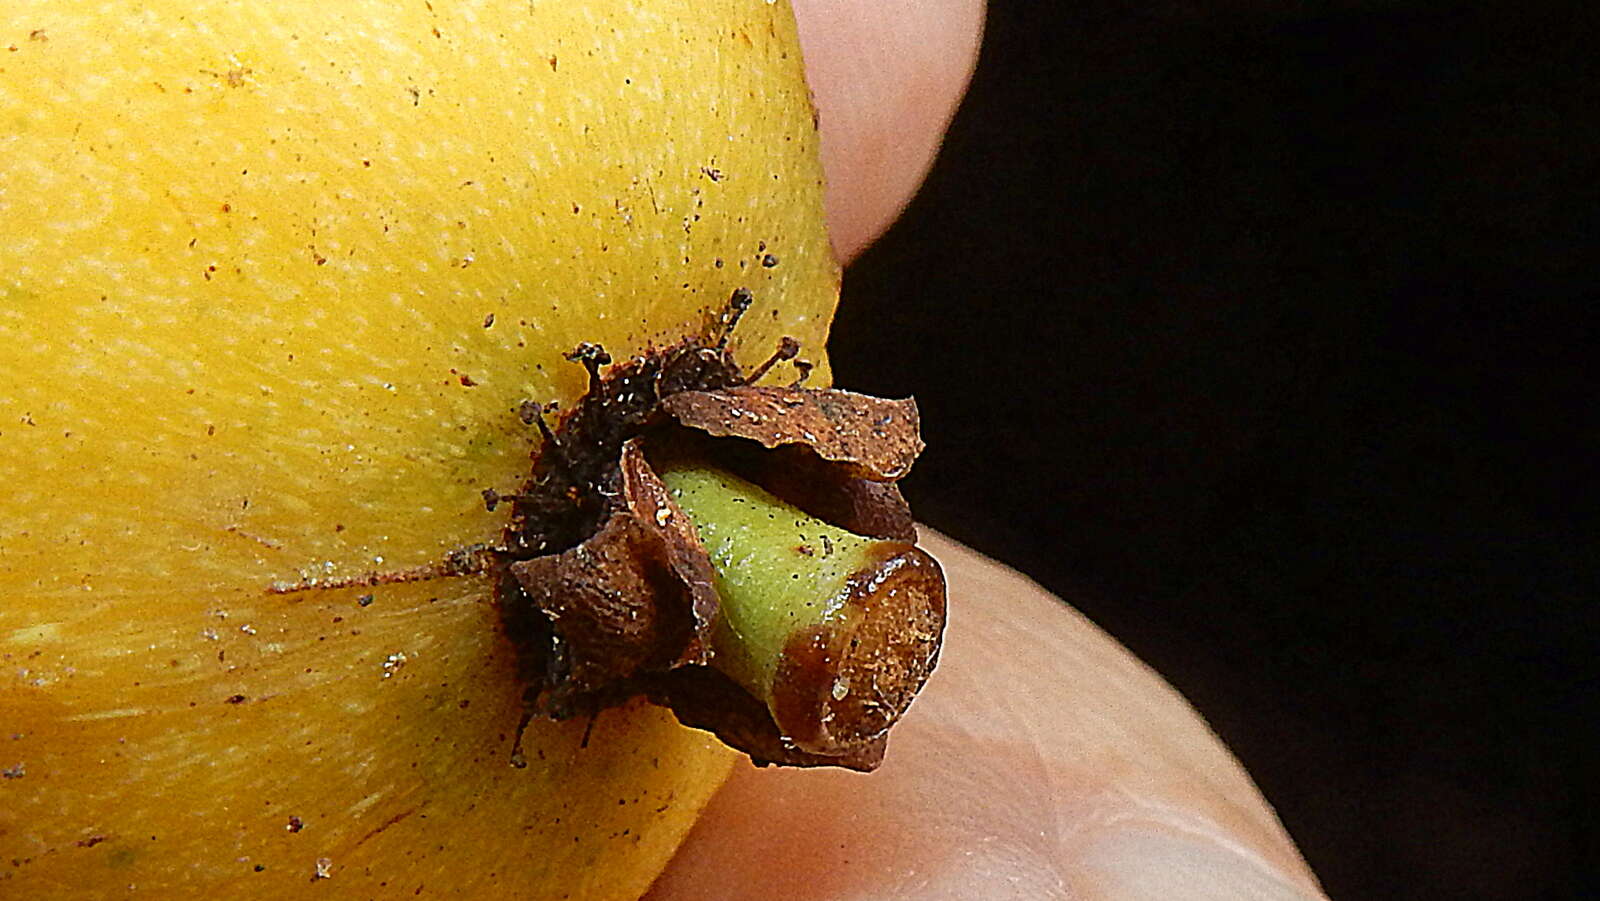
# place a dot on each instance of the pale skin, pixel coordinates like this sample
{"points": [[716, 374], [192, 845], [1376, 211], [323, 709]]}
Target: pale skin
{"points": [[1042, 761]]}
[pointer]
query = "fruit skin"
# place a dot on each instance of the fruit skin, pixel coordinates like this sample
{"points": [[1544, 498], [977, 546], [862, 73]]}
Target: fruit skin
{"points": [[249, 255]]}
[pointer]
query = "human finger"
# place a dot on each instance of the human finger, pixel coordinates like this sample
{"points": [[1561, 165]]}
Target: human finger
{"points": [[886, 76]]}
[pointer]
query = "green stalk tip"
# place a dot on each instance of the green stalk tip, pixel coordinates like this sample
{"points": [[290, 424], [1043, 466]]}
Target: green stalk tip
{"points": [[835, 632]]}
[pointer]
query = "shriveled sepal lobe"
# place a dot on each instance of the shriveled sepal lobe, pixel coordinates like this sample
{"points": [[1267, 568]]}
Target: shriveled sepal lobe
{"points": [[635, 598], [869, 437]]}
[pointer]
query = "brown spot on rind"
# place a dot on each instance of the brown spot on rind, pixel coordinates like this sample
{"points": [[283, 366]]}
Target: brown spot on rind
{"points": [[876, 439], [397, 818]]}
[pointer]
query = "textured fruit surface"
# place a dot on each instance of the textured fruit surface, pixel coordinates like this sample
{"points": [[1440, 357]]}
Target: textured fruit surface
{"points": [[274, 278]]}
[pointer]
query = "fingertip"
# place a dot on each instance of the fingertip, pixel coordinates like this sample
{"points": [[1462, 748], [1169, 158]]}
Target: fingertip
{"points": [[887, 77], [1136, 860]]}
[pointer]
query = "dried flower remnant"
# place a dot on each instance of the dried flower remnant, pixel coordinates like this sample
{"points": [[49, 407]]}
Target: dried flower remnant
{"points": [[611, 592], [624, 569]]}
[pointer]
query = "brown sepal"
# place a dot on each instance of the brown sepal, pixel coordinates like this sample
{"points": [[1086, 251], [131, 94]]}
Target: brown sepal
{"points": [[828, 491], [638, 596], [874, 438]]}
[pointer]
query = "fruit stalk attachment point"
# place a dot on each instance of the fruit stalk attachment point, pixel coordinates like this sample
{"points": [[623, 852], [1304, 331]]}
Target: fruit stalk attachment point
{"points": [[835, 632], [738, 553]]}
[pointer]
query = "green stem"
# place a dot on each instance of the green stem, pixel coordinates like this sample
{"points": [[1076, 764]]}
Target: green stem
{"points": [[834, 631]]}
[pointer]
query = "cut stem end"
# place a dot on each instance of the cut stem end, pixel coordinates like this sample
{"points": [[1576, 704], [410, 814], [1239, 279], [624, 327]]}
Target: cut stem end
{"points": [[835, 632]]}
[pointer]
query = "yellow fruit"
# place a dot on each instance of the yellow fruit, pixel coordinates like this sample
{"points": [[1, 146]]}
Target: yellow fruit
{"points": [[274, 277]]}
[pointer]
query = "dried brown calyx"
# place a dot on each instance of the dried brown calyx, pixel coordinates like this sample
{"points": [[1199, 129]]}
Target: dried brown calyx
{"points": [[740, 554]]}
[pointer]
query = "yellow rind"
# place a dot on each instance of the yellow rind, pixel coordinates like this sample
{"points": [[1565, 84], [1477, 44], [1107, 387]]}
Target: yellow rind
{"points": [[249, 253]]}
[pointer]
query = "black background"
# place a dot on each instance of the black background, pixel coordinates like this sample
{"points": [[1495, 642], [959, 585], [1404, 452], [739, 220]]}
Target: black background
{"points": [[1257, 331]]}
